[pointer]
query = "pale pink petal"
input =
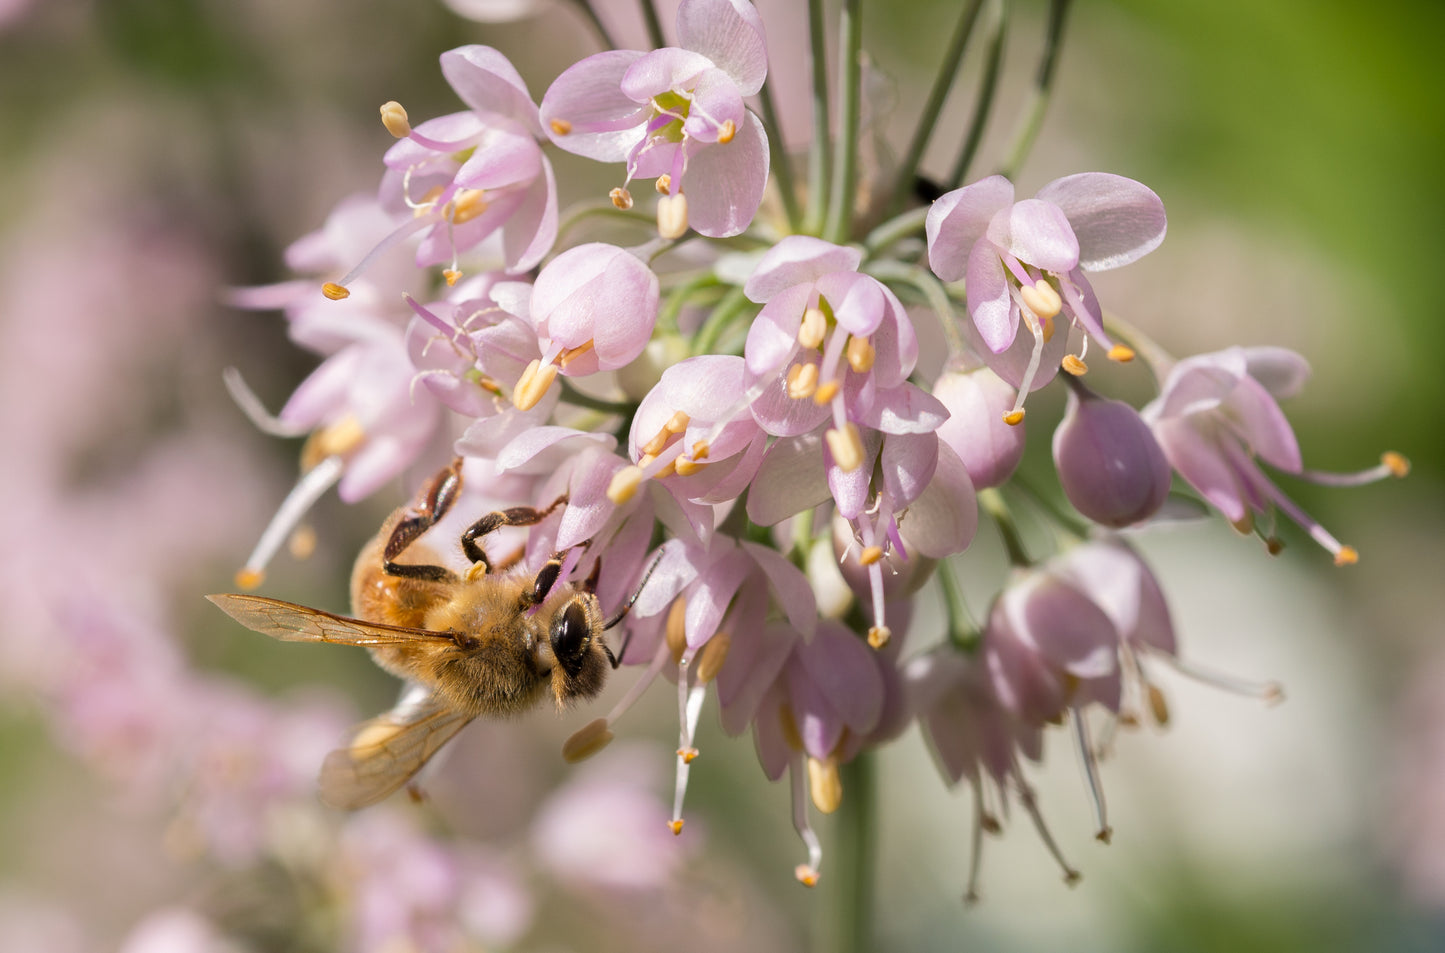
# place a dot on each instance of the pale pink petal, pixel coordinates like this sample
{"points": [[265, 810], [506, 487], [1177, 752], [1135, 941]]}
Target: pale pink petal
{"points": [[1199, 461], [944, 518], [587, 101], [958, 220], [1116, 220], [773, 335], [857, 301], [730, 33], [753, 664], [532, 228], [1279, 370], [661, 71], [725, 182], [790, 479], [989, 304], [798, 260], [486, 81], [1263, 426], [907, 462], [1036, 233], [790, 587]]}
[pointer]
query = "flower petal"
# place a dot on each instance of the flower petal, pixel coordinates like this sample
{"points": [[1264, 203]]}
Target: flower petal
{"points": [[587, 101], [798, 260], [989, 303], [1115, 219], [958, 220], [725, 182], [730, 33], [487, 81], [1036, 233]]}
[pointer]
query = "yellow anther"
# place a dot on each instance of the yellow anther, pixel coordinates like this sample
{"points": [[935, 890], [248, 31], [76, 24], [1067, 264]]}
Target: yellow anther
{"points": [[682, 466], [1274, 545], [802, 381], [572, 353], [710, 659], [1158, 706], [1014, 417], [1396, 463], [302, 542], [700, 449], [870, 555], [726, 131], [824, 784], [826, 392], [466, 205], [668, 469], [812, 329], [475, 571], [624, 484], [672, 216], [688, 755], [334, 440], [1347, 556], [451, 276], [675, 631], [663, 184], [861, 354], [846, 447], [646, 460], [1121, 353], [675, 826], [621, 198], [249, 579], [1041, 299], [1074, 366], [655, 446], [560, 126], [879, 635], [533, 385], [678, 422], [587, 741], [393, 117], [806, 875], [335, 292], [789, 728]]}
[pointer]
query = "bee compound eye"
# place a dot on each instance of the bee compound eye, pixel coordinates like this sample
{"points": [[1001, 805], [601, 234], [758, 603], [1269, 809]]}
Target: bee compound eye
{"points": [[569, 633]]}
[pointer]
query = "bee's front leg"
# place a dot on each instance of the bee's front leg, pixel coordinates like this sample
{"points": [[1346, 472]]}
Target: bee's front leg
{"points": [[515, 516], [436, 499]]}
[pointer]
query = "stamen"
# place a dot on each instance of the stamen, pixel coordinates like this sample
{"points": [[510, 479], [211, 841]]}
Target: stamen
{"points": [[621, 198], [1042, 299], [663, 184], [710, 659], [467, 205], [789, 728], [254, 410], [975, 854], [675, 632], [638, 687], [672, 216], [1014, 417], [1158, 704], [560, 126], [334, 440], [700, 449], [451, 276], [685, 467], [1026, 383], [587, 741], [1030, 805], [310, 488], [624, 484], [572, 353], [870, 555], [1347, 556], [1103, 832], [861, 354], [689, 699], [846, 447], [802, 381], [1121, 353], [813, 328], [335, 292], [678, 422], [726, 131], [1271, 693], [393, 117], [1392, 464], [826, 392], [301, 544], [533, 384], [878, 636], [807, 873], [1074, 366], [824, 784]]}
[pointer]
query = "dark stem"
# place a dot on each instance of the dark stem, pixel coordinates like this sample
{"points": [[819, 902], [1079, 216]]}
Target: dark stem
{"points": [[850, 72], [587, 10], [942, 84], [820, 154], [983, 105], [654, 26], [778, 151], [1043, 87], [992, 502], [963, 631], [575, 397]]}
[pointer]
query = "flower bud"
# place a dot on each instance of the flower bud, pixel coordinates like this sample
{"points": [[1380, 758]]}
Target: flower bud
{"points": [[1109, 463], [977, 401]]}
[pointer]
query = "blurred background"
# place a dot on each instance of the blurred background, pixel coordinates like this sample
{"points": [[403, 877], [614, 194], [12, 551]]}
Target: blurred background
{"points": [[157, 761]]}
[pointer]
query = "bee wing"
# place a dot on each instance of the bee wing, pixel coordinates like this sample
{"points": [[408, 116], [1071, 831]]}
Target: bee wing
{"points": [[290, 622], [386, 751]]}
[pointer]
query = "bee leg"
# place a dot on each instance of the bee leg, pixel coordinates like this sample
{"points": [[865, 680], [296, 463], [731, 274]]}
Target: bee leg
{"points": [[516, 516], [437, 498]]}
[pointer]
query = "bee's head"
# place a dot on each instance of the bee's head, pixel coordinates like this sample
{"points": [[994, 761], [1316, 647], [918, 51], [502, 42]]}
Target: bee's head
{"points": [[575, 635]]}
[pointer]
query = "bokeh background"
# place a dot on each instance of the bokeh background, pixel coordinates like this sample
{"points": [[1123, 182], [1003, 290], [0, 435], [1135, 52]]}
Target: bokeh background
{"points": [[156, 759]]}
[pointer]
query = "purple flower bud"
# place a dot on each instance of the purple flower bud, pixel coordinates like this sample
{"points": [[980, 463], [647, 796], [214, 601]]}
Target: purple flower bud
{"points": [[977, 401], [1109, 463]]}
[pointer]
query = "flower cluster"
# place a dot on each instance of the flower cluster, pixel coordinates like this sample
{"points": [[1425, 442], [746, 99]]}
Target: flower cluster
{"points": [[732, 394]]}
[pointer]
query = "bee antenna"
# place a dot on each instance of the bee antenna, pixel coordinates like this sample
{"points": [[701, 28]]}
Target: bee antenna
{"points": [[627, 606]]}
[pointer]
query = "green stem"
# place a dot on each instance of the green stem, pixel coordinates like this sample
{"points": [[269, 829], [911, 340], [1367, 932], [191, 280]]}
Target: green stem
{"points": [[717, 322], [933, 292], [588, 210], [963, 631], [854, 859], [654, 25], [933, 105], [1043, 88], [574, 396], [820, 154], [590, 14], [677, 299], [1073, 525], [778, 152], [983, 104], [850, 82], [992, 502], [896, 229]]}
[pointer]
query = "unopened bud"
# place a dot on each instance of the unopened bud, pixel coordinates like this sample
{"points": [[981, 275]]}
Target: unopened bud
{"points": [[1109, 464]]}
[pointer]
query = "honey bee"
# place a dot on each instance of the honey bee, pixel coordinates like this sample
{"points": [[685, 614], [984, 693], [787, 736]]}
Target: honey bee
{"points": [[480, 644]]}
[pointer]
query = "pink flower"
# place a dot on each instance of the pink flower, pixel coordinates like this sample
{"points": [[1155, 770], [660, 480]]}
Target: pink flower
{"points": [[976, 401], [677, 115], [1109, 464], [1216, 417], [1026, 260]]}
